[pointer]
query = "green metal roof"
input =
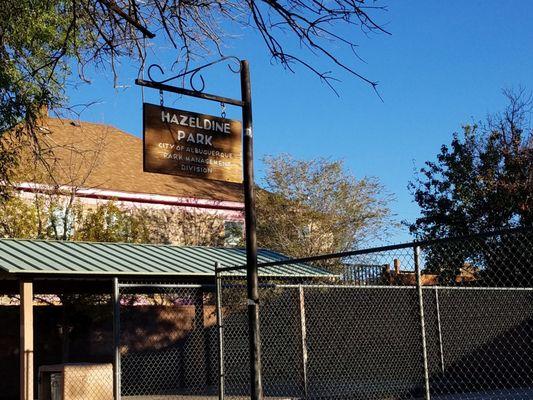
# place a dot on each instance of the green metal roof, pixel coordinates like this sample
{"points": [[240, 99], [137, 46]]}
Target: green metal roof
{"points": [[23, 256]]}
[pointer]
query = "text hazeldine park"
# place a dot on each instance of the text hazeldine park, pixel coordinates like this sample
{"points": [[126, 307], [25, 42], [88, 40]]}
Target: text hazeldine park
{"points": [[196, 122]]}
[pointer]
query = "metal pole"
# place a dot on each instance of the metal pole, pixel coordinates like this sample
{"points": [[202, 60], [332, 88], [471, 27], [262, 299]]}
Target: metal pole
{"points": [[439, 327], [220, 325], [304, 339], [427, 395], [116, 339], [251, 240]]}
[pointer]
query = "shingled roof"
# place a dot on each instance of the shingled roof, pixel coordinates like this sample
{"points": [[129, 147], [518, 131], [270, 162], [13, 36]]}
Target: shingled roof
{"points": [[119, 166]]}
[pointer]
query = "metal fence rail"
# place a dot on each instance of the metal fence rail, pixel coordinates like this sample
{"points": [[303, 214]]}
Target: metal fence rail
{"points": [[450, 319]]}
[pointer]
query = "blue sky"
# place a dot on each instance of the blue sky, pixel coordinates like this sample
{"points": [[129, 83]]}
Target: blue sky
{"points": [[445, 64]]}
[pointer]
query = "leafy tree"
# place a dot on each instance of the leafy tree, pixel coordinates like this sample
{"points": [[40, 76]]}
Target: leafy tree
{"points": [[482, 182], [37, 38], [315, 207]]}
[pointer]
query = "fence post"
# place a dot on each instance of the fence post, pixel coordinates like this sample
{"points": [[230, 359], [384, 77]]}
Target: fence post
{"points": [[220, 329], [116, 339], [427, 394], [439, 327], [193, 350], [304, 339]]}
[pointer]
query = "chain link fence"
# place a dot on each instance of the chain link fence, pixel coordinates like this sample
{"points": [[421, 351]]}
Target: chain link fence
{"points": [[448, 319], [168, 341]]}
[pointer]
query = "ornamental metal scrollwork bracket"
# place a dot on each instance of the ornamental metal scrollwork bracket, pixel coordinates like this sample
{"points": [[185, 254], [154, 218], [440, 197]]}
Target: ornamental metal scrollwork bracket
{"points": [[196, 81], [193, 73]]}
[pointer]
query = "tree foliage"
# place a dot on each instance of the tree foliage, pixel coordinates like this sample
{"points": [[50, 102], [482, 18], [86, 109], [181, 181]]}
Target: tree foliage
{"points": [[19, 219], [109, 223], [483, 180], [315, 207], [57, 217]]}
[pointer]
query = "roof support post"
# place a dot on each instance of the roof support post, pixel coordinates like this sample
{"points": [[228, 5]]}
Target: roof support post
{"points": [[26, 340]]}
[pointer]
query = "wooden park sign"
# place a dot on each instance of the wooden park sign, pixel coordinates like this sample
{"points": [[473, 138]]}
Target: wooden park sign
{"points": [[185, 143]]}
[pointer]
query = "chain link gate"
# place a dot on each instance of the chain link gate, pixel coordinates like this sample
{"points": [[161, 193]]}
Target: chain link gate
{"points": [[168, 341]]}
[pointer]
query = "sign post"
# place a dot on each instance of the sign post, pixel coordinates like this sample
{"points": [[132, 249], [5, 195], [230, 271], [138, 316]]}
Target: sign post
{"points": [[251, 239], [175, 158]]}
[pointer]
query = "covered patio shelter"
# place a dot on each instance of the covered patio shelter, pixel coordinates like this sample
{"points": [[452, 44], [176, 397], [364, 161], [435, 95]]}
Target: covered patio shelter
{"points": [[36, 276]]}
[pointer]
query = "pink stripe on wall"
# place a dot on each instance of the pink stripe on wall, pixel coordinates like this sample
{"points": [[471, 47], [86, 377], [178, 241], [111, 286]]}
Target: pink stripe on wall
{"points": [[229, 210]]}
